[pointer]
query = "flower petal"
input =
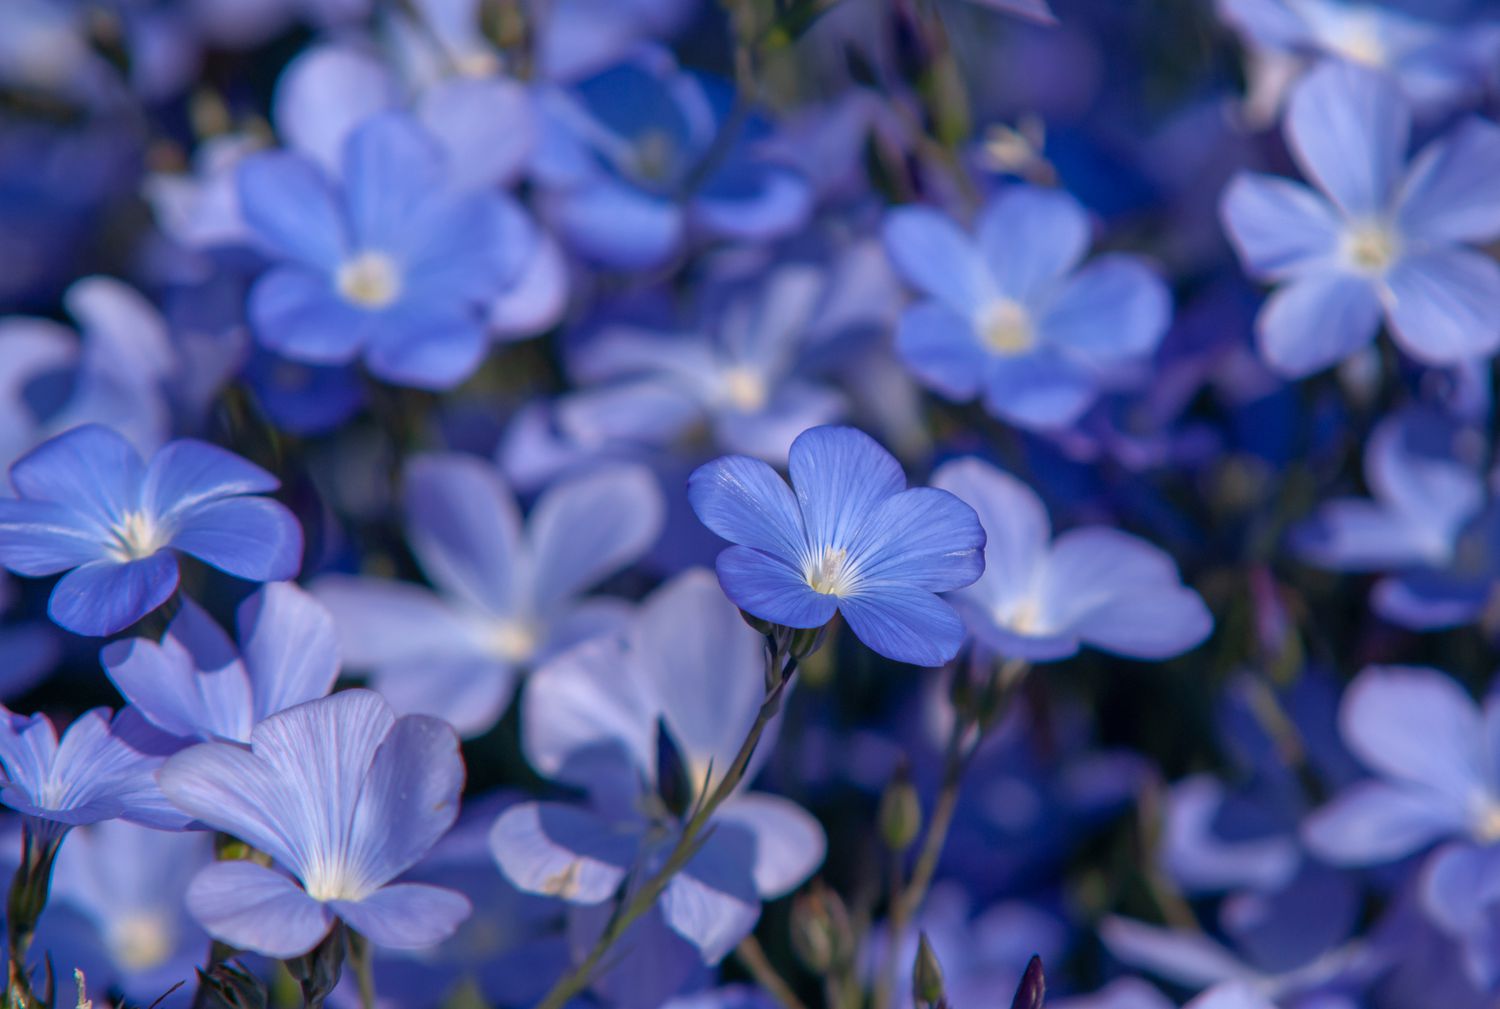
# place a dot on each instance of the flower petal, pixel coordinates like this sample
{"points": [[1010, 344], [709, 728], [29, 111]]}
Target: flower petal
{"points": [[297, 314], [789, 841], [559, 851], [771, 589], [290, 647], [1315, 321], [288, 203], [406, 916], [323, 94], [91, 469], [1043, 390], [1278, 227], [104, 597], [744, 501], [922, 538], [839, 475], [253, 538], [464, 526], [905, 624], [1115, 309], [187, 472], [1030, 238], [712, 902], [409, 798], [1445, 305], [933, 255], [254, 908], [1375, 822], [942, 349], [1348, 128], [1416, 725], [585, 529], [40, 538], [1449, 194]]}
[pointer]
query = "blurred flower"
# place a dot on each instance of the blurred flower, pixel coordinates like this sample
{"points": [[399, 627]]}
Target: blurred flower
{"points": [[89, 506], [1380, 237], [1007, 313], [847, 537], [344, 796]]}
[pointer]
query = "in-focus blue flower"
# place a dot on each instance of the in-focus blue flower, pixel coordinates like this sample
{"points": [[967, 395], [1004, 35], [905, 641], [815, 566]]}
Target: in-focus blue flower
{"points": [[1043, 600], [633, 163], [1432, 749], [196, 686], [391, 263], [847, 537], [345, 797], [1380, 238], [1010, 316], [594, 718], [507, 595], [1429, 524], [88, 505]]}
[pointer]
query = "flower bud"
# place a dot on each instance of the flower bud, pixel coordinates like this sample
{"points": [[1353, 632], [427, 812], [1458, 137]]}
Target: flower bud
{"points": [[1032, 991], [927, 975], [822, 934], [230, 986], [900, 814]]}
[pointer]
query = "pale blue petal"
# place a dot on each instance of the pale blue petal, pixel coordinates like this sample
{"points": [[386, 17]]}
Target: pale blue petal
{"points": [[1115, 309], [288, 204], [406, 916], [176, 694], [712, 902], [391, 168], [409, 799], [1030, 238], [251, 907], [1316, 321], [839, 475], [1450, 195], [253, 538], [323, 94], [922, 538], [1459, 888], [905, 624], [1187, 958], [1278, 227], [559, 851], [188, 472], [389, 623], [938, 259], [752, 201], [590, 527], [649, 410], [619, 226], [789, 841], [769, 588], [1419, 726], [1374, 822], [942, 349], [1017, 530], [91, 469], [1354, 534], [744, 501], [1041, 390], [290, 647], [537, 298], [470, 692], [1445, 305], [297, 313], [1231, 995], [40, 538], [485, 125], [433, 352], [1348, 128], [464, 526], [104, 597]]}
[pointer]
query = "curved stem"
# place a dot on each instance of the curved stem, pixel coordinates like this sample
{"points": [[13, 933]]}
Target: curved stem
{"points": [[754, 960]]}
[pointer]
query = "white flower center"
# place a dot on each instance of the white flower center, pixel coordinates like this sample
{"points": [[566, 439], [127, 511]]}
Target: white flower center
{"points": [[1370, 247], [744, 388], [370, 280], [141, 940], [137, 537], [1486, 824], [1358, 40], [831, 573], [652, 156], [512, 640], [1006, 329]]}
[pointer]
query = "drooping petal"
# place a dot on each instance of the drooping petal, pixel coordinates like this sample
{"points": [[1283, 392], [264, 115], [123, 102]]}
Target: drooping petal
{"points": [[424, 350], [251, 907], [751, 201], [107, 596], [839, 475], [1278, 227], [1444, 305], [1416, 725], [1030, 237], [712, 902], [771, 589], [291, 208], [254, 538], [587, 528], [1348, 128], [1375, 822], [187, 472], [938, 259], [226, 787], [165, 684], [560, 851], [406, 916], [1315, 321], [323, 94], [39, 538], [789, 841], [905, 624], [464, 526], [1114, 309], [409, 799], [1043, 390], [1449, 194], [1353, 534], [91, 469], [942, 349], [746, 502], [290, 647]]}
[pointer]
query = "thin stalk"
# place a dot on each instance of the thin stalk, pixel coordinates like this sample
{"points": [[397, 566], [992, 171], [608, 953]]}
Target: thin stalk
{"points": [[29, 889], [753, 958], [363, 962]]}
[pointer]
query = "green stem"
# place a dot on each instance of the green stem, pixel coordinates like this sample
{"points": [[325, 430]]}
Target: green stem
{"points": [[753, 958], [779, 673], [29, 889], [361, 958]]}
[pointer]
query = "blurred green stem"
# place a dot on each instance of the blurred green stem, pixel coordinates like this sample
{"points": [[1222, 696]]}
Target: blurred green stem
{"points": [[28, 897]]}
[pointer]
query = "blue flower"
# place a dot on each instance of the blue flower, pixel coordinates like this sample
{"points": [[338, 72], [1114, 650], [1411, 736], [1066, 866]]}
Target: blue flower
{"points": [[1380, 238], [344, 796], [88, 505], [507, 596], [594, 718], [847, 537], [620, 156], [1042, 599], [1010, 316], [391, 262], [195, 685]]}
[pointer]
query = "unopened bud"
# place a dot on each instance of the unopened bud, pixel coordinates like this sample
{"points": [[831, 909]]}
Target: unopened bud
{"points": [[926, 975], [758, 625], [1033, 988], [230, 986], [822, 934], [807, 640], [900, 812]]}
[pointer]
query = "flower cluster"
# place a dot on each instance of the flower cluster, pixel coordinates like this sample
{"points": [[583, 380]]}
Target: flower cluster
{"points": [[817, 504]]}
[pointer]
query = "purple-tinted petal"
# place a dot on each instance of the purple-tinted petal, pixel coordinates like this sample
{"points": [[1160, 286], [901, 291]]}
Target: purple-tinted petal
{"points": [[1032, 10], [485, 125], [712, 902], [920, 538], [1040, 390], [537, 297], [1114, 309], [186, 473], [470, 692], [1460, 885], [40, 538], [1030, 237], [585, 715], [1444, 305], [938, 259], [464, 526], [839, 475], [427, 352], [559, 851], [1316, 321], [744, 501], [254, 908], [619, 226], [323, 94], [1015, 522], [253, 538], [1449, 194], [388, 623], [409, 799], [789, 841], [1188, 958], [297, 314], [905, 624], [1354, 534], [177, 692], [942, 349], [1278, 226], [289, 205], [390, 168], [771, 589], [103, 597], [648, 410], [1374, 822], [752, 201], [1348, 127], [1416, 725], [585, 529], [290, 647], [1231, 995], [406, 916], [91, 469]]}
